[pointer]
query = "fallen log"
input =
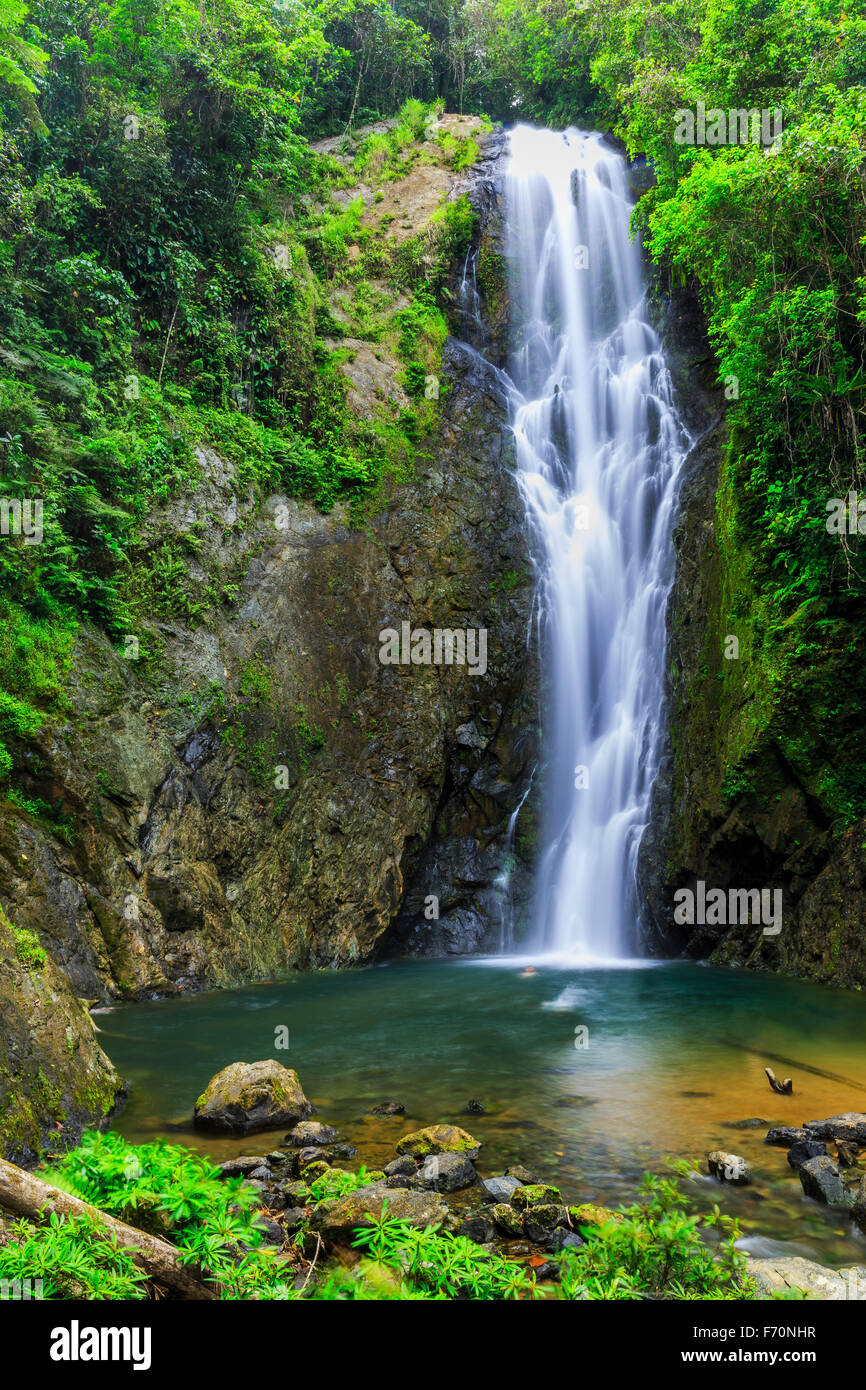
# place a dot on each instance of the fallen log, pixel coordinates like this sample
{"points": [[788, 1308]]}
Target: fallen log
{"points": [[26, 1195], [784, 1088]]}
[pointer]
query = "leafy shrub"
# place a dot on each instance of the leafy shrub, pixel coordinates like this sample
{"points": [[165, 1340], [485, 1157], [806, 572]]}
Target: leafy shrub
{"points": [[654, 1249]]}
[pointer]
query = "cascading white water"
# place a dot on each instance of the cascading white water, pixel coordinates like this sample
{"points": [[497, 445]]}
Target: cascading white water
{"points": [[599, 448]]}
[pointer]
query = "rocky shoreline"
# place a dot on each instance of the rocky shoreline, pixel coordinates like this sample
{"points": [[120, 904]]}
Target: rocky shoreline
{"points": [[312, 1205]]}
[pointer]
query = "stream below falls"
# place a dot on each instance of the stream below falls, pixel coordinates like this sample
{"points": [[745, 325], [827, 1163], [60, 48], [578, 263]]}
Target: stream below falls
{"points": [[674, 1063]]}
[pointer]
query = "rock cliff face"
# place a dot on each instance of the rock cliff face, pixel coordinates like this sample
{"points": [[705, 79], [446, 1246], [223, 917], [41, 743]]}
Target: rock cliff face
{"points": [[261, 791], [743, 798], [53, 1074]]}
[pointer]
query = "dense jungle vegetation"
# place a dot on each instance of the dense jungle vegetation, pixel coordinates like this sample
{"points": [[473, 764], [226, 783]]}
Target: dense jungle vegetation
{"points": [[168, 246], [162, 252]]}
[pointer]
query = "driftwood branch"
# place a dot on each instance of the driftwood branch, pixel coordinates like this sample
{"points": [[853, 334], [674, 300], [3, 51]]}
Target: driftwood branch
{"points": [[29, 1196], [784, 1088]]}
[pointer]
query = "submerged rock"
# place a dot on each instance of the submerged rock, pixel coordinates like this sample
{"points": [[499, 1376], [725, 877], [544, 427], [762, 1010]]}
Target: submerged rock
{"points": [[522, 1174], [309, 1133], [438, 1139], [389, 1107], [247, 1096]]}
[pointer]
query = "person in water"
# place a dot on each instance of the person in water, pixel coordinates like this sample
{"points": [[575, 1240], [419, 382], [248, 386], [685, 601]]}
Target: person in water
{"points": [[530, 970]]}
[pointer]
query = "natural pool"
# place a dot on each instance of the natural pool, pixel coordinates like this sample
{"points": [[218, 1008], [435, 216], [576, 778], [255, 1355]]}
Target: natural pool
{"points": [[675, 1061]]}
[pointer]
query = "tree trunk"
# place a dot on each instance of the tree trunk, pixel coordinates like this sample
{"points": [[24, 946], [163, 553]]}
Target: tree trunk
{"points": [[29, 1196], [362, 70]]}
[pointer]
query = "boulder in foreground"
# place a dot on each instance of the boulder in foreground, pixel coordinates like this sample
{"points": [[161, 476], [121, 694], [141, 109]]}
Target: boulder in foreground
{"points": [[775, 1276], [247, 1096], [338, 1219]]}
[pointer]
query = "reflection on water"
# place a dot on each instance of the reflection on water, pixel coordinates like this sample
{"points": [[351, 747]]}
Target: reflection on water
{"points": [[674, 1065]]}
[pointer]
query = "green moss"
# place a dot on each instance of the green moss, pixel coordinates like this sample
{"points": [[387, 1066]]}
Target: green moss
{"points": [[24, 944]]}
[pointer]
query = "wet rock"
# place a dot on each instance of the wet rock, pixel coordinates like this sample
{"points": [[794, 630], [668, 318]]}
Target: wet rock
{"points": [[474, 1107], [292, 1219], [535, 1194], [478, 1228], [446, 1172], [315, 1170], [754, 1123], [309, 1133], [850, 1128], [262, 1174], [400, 1180], [248, 1096], [728, 1167], [342, 1150], [404, 1165], [786, 1135], [438, 1139], [821, 1179], [296, 1193], [270, 1197], [774, 1276], [803, 1150], [389, 1107], [588, 1215], [337, 1219], [507, 1220], [563, 1239], [312, 1155], [500, 1189], [273, 1231], [523, 1175], [239, 1167], [540, 1220]]}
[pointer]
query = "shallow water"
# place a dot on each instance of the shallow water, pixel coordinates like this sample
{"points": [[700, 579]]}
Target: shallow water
{"points": [[675, 1057]]}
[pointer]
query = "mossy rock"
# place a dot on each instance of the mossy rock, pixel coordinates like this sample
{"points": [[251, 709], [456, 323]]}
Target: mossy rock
{"points": [[535, 1195], [587, 1214], [439, 1139], [317, 1170], [507, 1219], [338, 1219], [248, 1096]]}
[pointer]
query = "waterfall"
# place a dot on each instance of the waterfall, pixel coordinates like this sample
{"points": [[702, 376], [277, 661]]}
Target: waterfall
{"points": [[599, 449]]}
